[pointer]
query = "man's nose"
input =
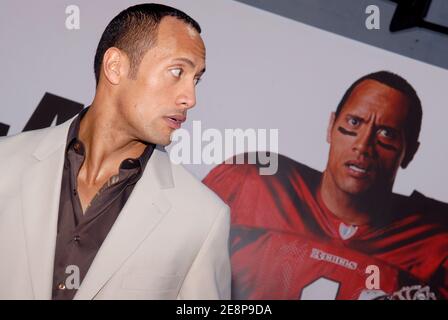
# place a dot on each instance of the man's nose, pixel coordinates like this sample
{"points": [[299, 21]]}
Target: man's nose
{"points": [[187, 97], [365, 141]]}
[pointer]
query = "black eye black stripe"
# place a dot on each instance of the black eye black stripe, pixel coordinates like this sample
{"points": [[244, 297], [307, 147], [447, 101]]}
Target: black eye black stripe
{"points": [[354, 134], [387, 146], [346, 132]]}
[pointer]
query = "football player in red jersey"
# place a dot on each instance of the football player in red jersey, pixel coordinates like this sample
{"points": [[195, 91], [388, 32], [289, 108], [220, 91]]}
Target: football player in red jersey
{"points": [[343, 233]]}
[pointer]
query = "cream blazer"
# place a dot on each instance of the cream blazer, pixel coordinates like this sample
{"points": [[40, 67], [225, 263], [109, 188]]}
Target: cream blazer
{"points": [[170, 240]]}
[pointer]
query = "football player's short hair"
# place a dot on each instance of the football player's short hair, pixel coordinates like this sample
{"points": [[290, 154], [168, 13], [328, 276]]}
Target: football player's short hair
{"points": [[134, 31], [415, 113]]}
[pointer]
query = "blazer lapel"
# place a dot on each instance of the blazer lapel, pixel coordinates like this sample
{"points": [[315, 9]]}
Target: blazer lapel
{"points": [[40, 193], [141, 214]]}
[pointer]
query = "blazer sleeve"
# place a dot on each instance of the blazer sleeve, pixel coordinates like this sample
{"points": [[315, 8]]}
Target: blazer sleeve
{"points": [[209, 276]]}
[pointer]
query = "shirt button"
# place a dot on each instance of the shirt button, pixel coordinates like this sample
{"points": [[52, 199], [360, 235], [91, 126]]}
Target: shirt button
{"points": [[77, 238], [77, 146], [61, 286]]}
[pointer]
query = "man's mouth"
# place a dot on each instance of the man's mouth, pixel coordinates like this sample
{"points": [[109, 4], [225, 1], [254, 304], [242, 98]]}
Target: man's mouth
{"points": [[358, 169], [175, 121]]}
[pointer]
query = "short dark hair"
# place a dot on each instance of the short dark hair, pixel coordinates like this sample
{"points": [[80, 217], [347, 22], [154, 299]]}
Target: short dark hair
{"points": [[415, 113], [134, 31]]}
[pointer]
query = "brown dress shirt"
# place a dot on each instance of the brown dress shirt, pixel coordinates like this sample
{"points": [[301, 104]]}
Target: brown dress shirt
{"points": [[80, 235]]}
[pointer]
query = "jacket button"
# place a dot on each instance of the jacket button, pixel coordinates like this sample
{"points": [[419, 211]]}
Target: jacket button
{"points": [[61, 286]]}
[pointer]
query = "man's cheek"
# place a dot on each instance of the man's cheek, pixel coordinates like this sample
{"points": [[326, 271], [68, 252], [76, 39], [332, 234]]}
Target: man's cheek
{"points": [[340, 150], [388, 168]]}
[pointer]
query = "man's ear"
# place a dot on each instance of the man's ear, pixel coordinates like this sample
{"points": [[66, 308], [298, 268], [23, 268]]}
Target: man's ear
{"points": [[330, 126], [410, 155], [114, 65]]}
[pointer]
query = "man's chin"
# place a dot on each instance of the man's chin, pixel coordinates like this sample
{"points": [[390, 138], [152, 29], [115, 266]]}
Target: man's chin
{"points": [[164, 143], [159, 141], [358, 189]]}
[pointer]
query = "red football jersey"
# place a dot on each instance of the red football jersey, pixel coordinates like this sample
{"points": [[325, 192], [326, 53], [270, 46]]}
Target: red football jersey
{"points": [[275, 265], [280, 225]]}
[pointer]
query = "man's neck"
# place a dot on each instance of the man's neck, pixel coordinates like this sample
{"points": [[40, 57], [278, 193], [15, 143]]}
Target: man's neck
{"points": [[107, 143], [352, 209]]}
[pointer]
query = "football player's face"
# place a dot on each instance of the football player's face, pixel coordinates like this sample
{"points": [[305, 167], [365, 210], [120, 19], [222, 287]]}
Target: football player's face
{"points": [[367, 140]]}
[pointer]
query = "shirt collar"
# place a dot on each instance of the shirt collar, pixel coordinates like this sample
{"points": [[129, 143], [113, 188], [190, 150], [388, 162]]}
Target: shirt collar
{"points": [[73, 131]]}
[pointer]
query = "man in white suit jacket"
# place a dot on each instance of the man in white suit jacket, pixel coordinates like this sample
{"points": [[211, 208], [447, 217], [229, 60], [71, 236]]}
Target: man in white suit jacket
{"points": [[169, 241]]}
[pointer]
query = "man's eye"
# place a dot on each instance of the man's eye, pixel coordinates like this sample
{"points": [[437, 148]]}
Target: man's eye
{"points": [[196, 81], [353, 122], [386, 133], [176, 72]]}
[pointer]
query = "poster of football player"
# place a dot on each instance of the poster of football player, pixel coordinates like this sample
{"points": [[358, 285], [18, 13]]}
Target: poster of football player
{"points": [[348, 214], [341, 233]]}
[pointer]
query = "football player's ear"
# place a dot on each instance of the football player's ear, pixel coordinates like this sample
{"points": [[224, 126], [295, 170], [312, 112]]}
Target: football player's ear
{"points": [[410, 153], [330, 126]]}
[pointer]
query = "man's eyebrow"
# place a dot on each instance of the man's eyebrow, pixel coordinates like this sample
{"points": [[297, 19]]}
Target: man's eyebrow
{"points": [[381, 126], [185, 60], [190, 63]]}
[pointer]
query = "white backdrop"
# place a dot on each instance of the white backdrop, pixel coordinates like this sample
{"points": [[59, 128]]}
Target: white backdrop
{"points": [[263, 71]]}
